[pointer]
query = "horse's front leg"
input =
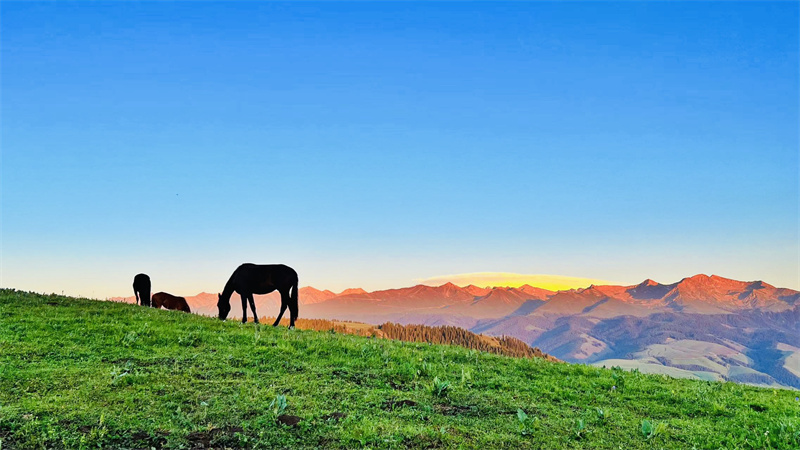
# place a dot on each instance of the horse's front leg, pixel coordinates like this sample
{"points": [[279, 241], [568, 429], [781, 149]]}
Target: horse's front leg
{"points": [[244, 307], [253, 308]]}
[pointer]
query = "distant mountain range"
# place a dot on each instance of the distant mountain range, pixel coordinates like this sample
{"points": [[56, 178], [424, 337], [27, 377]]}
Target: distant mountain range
{"points": [[706, 327]]}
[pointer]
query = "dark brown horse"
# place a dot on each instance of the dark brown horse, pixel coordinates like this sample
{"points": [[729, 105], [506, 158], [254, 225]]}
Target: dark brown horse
{"points": [[169, 301], [249, 279], [141, 288]]}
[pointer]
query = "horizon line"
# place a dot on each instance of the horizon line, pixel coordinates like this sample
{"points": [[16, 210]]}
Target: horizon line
{"points": [[427, 282]]}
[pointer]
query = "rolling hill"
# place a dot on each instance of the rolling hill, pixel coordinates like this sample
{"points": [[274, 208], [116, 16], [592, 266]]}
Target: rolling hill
{"points": [[78, 373]]}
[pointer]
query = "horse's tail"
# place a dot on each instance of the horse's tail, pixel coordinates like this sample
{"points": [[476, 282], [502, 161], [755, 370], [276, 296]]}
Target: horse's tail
{"points": [[294, 291], [293, 303]]}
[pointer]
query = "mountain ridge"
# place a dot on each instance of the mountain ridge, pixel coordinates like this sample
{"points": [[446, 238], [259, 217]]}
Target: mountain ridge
{"points": [[697, 294]]}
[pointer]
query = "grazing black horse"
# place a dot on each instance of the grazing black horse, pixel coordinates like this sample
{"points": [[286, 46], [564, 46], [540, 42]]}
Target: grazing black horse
{"points": [[141, 288], [249, 279]]}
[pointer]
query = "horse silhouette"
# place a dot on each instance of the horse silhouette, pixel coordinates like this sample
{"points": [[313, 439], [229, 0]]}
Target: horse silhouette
{"points": [[141, 288], [249, 279], [169, 301]]}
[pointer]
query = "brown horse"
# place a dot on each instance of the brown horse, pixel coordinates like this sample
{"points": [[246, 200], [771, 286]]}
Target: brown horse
{"points": [[169, 301], [249, 279], [141, 289]]}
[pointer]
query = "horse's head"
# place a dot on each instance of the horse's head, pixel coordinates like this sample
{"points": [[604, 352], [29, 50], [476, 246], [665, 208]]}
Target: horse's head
{"points": [[224, 307]]}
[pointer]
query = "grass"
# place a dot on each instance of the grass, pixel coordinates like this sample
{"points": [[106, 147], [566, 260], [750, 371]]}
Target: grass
{"points": [[77, 373]]}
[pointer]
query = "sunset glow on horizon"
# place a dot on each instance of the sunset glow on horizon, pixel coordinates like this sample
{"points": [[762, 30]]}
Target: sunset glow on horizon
{"points": [[504, 279]]}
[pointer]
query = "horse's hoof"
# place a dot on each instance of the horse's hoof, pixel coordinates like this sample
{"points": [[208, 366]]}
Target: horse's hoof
{"points": [[291, 327]]}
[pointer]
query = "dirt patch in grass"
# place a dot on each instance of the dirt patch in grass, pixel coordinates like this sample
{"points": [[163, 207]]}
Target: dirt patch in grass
{"points": [[158, 440], [216, 436], [288, 420], [334, 416]]}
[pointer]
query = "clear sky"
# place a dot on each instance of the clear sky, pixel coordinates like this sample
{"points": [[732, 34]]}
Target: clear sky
{"points": [[375, 145]]}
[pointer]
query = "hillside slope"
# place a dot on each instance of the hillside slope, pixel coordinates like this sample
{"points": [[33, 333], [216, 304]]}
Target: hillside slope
{"points": [[77, 373]]}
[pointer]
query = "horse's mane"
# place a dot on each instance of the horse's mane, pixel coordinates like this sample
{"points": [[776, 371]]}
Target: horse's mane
{"points": [[228, 290]]}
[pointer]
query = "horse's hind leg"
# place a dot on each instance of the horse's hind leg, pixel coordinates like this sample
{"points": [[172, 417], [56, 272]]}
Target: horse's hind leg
{"points": [[283, 309], [244, 307], [253, 307], [292, 314]]}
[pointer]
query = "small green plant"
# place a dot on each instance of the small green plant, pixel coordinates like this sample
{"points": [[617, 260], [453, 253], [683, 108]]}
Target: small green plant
{"points": [[650, 430], [278, 405], [579, 428], [647, 429], [189, 340], [424, 370], [601, 414], [119, 375], [619, 381], [526, 422], [130, 339], [440, 388], [466, 376]]}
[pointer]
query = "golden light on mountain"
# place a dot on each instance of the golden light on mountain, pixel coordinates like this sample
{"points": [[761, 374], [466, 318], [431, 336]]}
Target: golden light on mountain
{"points": [[549, 282]]}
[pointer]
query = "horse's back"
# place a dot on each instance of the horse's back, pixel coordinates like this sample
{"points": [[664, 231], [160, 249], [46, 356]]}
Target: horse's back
{"points": [[170, 301], [261, 271], [264, 278], [141, 281]]}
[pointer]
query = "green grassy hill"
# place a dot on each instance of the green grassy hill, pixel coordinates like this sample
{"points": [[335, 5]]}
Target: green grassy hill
{"points": [[77, 373]]}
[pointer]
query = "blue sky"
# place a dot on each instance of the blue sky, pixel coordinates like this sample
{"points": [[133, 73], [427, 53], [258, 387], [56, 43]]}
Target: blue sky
{"points": [[377, 144]]}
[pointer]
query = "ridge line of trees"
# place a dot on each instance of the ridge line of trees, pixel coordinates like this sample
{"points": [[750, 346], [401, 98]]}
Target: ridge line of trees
{"points": [[503, 345]]}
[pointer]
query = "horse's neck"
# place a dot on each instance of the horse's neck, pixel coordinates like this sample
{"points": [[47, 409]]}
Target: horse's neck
{"points": [[229, 288]]}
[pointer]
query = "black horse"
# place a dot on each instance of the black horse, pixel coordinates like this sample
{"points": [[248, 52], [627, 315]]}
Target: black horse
{"points": [[249, 279], [141, 288]]}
